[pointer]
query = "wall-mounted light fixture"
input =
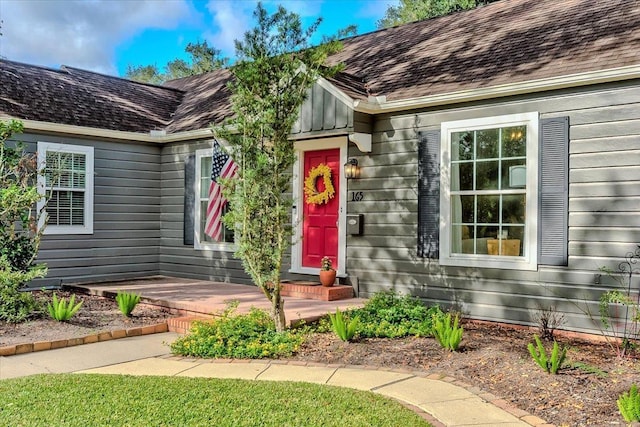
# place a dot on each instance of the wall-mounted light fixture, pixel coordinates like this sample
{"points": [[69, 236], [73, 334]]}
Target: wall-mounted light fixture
{"points": [[351, 169]]}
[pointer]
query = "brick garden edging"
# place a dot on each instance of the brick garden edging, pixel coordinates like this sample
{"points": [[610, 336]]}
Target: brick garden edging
{"points": [[14, 349]]}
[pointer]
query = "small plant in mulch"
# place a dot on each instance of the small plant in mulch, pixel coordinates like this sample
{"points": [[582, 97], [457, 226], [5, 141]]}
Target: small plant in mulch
{"points": [[549, 363], [344, 328], [63, 310], [447, 332], [127, 302], [629, 404]]}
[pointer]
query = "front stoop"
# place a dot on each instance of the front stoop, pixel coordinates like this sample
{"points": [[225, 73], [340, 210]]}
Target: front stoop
{"points": [[312, 290]]}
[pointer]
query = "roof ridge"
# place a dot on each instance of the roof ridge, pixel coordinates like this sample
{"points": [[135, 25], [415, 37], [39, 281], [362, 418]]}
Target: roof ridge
{"points": [[41, 67], [71, 70]]}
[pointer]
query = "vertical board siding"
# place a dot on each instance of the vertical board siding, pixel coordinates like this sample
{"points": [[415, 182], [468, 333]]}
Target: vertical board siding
{"points": [[126, 218], [603, 224], [322, 111]]}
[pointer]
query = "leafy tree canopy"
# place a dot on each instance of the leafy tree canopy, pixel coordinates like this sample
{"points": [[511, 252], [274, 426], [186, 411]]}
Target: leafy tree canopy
{"points": [[202, 58], [275, 67], [417, 10]]}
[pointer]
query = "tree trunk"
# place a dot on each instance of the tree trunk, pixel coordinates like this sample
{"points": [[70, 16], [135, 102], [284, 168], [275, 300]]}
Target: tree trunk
{"points": [[277, 312]]}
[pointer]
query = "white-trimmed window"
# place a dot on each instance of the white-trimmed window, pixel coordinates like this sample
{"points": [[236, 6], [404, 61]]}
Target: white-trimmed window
{"points": [[489, 189], [202, 183], [67, 180]]}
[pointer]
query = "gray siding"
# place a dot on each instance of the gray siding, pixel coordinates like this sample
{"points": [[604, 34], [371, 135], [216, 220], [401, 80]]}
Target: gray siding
{"points": [[604, 200], [177, 259], [321, 113], [126, 221]]}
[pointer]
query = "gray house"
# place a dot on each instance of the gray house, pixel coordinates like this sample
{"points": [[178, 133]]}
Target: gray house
{"points": [[498, 162]]}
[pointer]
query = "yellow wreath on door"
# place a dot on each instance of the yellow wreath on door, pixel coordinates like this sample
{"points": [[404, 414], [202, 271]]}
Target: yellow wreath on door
{"points": [[314, 197]]}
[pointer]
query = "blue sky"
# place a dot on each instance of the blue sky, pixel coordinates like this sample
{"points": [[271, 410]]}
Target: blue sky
{"points": [[107, 35]]}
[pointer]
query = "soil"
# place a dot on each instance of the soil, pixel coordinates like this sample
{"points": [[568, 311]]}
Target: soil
{"points": [[97, 314], [492, 357]]}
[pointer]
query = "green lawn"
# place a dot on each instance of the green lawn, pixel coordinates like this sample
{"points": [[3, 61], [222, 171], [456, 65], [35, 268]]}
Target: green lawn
{"points": [[118, 400]]}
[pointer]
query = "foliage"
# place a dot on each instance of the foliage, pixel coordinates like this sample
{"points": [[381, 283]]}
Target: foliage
{"points": [[446, 332], [342, 326], [61, 310], [16, 306], [202, 58], [275, 68], [629, 404], [326, 264], [127, 302], [548, 320], [389, 315], [251, 336], [19, 232], [624, 337], [79, 400], [417, 10], [550, 364]]}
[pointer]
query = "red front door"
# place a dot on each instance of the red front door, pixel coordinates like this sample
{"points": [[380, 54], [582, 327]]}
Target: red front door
{"points": [[320, 222]]}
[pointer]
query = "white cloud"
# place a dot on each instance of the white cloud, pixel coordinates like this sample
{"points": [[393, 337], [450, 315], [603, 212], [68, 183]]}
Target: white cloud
{"points": [[231, 20], [80, 33]]}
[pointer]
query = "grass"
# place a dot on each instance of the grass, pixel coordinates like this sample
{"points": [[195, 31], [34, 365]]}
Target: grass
{"points": [[119, 400]]}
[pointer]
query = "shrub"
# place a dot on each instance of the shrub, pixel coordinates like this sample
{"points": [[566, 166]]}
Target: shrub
{"points": [[448, 334], [341, 325], [127, 302], [61, 310], [251, 336], [551, 364], [389, 315], [629, 404], [17, 306]]}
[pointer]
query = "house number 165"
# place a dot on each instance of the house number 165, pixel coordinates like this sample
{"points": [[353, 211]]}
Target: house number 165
{"points": [[357, 196]]}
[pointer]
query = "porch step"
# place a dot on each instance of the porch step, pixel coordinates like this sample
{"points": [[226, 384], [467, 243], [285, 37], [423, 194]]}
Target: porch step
{"points": [[182, 325], [314, 290]]}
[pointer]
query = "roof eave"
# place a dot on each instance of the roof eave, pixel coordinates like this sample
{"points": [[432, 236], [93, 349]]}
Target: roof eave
{"points": [[510, 89], [85, 131]]}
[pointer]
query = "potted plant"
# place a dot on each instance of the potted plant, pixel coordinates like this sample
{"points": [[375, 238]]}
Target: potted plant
{"points": [[327, 273]]}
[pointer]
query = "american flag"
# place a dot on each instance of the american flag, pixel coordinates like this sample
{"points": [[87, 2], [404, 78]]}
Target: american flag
{"points": [[222, 166]]}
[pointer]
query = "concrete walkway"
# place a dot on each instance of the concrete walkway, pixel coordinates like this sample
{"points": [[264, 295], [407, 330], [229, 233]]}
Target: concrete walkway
{"points": [[451, 403]]}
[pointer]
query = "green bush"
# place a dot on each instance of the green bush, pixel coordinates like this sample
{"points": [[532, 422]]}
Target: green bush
{"points": [[448, 334], [629, 404], [550, 364], [127, 302], [61, 310], [341, 325], [389, 315], [17, 306], [249, 336]]}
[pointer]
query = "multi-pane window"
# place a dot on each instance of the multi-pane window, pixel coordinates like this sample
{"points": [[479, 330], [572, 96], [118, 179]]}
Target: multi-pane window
{"points": [[489, 181], [203, 182], [65, 175], [67, 181]]}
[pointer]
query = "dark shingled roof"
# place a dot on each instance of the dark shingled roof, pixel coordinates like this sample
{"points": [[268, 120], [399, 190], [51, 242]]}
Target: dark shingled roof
{"points": [[77, 97], [509, 41]]}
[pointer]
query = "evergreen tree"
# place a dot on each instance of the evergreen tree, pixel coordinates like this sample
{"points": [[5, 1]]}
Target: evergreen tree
{"points": [[417, 10], [275, 68]]}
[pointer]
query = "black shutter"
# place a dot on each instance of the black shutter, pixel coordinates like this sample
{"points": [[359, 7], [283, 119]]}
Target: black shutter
{"points": [[553, 202], [189, 198], [428, 194]]}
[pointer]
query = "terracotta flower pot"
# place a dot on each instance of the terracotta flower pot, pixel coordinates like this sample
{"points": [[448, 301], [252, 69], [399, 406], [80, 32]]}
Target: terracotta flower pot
{"points": [[327, 277]]}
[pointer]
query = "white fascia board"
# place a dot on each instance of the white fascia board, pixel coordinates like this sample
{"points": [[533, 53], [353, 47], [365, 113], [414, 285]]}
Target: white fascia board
{"points": [[85, 131], [333, 90], [519, 88]]}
